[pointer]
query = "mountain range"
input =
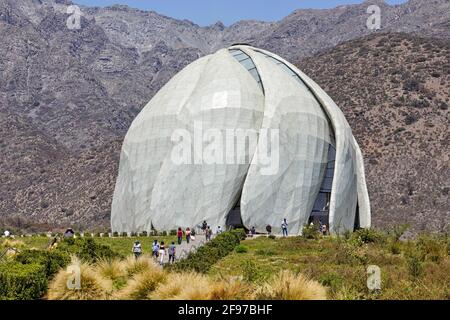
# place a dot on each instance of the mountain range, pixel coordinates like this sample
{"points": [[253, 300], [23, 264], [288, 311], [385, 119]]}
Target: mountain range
{"points": [[68, 96]]}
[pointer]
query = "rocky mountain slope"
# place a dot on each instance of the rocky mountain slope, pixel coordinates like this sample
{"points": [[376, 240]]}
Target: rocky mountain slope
{"points": [[67, 97], [395, 92]]}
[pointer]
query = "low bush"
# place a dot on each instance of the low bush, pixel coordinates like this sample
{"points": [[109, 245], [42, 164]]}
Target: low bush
{"points": [[310, 232], [365, 236], [432, 248], [394, 247], [251, 272], [51, 261], [22, 281], [241, 249], [87, 249]]}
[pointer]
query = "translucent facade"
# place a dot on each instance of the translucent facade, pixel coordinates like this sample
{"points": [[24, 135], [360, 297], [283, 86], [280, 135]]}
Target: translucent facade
{"points": [[319, 171]]}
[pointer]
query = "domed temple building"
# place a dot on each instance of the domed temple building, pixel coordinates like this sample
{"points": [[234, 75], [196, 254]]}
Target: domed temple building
{"points": [[240, 138]]}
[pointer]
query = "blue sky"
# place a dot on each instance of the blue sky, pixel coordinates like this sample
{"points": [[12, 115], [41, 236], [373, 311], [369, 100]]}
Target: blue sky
{"points": [[207, 12]]}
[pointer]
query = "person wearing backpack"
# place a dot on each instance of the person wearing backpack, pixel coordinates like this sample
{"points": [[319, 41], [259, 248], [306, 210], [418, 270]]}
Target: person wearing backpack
{"points": [[155, 249], [284, 227], [137, 249], [172, 253], [180, 235], [188, 234]]}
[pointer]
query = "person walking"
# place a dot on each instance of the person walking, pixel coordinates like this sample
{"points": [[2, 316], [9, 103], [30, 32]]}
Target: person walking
{"points": [[137, 249], [155, 249], [172, 250], [284, 227], [180, 235], [188, 235], [208, 233], [204, 226], [219, 230], [269, 229], [162, 252], [253, 231]]}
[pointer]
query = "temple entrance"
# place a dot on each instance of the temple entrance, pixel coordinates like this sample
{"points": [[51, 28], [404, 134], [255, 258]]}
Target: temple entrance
{"points": [[321, 208], [234, 219]]}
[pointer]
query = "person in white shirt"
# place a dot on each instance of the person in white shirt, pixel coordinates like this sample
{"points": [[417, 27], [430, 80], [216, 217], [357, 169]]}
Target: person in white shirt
{"points": [[7, 233]]}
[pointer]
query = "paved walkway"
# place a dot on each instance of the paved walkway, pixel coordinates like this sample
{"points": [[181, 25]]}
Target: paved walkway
{"points": [[183, 250]]}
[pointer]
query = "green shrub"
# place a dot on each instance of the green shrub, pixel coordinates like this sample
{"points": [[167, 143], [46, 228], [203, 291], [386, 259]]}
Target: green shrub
{"points": [[241, 249], [22, 281], [414, 266], [368, 236], [207, 255], [87, 249], [431, 248], [250, 272], [51, 261], [271, 236], [395, 247], [332, 280], [310, 232], [265, 252], [173, 232], [144, 234], [124, 234], [397, 231], [115, 234]]}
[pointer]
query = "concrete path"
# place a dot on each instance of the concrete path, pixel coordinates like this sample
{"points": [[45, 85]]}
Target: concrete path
{"points": [[183, 250]]}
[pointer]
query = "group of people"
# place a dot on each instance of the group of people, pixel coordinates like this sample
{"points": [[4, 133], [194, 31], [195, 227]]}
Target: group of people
{"points": [[159, 248], [207, 231], [158, 251], [190, 235], [284, 228]]}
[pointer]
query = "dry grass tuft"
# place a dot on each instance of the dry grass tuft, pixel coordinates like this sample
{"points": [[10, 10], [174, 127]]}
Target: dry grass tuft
{"points": [[143, 283], [134, 266], [232, 289], [288, 286], [184, 286], [111, 269], [92, 285], [11, 243]]}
